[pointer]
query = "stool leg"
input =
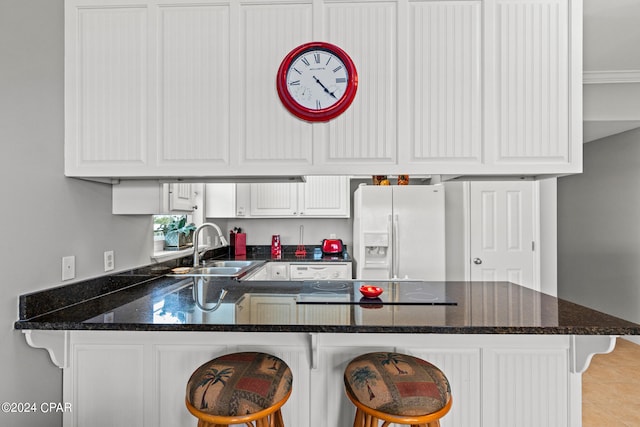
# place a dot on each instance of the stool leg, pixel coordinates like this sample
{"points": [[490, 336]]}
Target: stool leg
{"points": [[359, 419], [370, 421], [277, 419]]}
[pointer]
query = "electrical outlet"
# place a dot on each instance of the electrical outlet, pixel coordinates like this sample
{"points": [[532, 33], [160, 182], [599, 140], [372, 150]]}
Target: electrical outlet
{"points": [[68, 267], [109, 261]]}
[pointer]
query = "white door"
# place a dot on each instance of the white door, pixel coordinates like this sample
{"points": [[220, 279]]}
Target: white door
{"points": [[502, 232]]}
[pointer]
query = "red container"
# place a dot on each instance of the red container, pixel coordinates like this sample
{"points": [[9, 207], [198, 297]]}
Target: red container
{"points": [[332, 246], [276, 247], [238, 243]]}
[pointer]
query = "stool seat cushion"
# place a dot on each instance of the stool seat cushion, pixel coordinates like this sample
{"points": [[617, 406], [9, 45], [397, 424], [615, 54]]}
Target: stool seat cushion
{"points": [[239, 384], [397, 384]]}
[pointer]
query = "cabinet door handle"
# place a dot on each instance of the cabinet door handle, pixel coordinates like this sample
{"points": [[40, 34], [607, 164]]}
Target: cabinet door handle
{"points": [[477, 261]]}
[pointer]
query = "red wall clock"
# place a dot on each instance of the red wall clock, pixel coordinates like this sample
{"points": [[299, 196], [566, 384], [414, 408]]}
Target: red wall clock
{"points": [[317, 81]]}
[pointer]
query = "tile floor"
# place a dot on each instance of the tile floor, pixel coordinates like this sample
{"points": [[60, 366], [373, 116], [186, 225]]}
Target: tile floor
{"points": [[611, 388]]}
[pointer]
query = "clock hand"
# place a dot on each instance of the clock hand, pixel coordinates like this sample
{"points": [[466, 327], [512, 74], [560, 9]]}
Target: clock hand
{"points": [[323, 86]]}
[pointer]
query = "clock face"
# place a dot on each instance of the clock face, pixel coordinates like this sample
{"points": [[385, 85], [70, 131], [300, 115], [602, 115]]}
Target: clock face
{"points": [[317, 81]]}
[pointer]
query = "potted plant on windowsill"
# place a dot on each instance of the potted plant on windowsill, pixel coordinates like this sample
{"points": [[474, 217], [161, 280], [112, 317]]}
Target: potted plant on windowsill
{"points": [[177, 233]]}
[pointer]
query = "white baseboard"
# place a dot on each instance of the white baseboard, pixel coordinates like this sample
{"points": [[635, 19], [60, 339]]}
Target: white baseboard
{"points": [[633, 338]]}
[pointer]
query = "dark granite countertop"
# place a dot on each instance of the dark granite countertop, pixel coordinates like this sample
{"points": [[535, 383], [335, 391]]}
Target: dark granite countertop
{"points": [[146, 299]]}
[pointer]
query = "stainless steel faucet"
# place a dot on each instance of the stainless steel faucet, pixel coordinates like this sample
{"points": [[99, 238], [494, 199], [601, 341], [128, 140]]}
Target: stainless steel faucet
{"points": [[196, 254]]}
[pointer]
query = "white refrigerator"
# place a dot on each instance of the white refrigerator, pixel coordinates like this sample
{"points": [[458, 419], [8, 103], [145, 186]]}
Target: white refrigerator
{"points": [[399, 232]]}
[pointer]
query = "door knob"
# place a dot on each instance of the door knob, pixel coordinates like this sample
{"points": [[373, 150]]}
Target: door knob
{"points": [[477, 261]]}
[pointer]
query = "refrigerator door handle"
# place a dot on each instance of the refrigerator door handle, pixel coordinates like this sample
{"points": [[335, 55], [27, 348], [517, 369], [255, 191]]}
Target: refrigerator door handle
{"points": [[396, 246], [391, 257]]}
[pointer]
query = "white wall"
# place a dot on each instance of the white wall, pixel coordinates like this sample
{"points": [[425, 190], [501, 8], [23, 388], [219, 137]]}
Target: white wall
{"points": [[45, 215], [611, 33], [599, 228]]}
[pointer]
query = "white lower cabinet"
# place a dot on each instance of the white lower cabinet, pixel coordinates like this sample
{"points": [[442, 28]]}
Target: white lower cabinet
{"points": [[267, 309], [116, 378]]}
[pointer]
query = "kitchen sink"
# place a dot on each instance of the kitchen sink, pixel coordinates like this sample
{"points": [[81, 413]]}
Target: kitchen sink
{"points": [[232, 263], [214, 271], [219, 268]]}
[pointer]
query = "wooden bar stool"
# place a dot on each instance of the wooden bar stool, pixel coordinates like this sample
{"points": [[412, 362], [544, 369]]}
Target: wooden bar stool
{"points": [[240, 388], [396, 388]]}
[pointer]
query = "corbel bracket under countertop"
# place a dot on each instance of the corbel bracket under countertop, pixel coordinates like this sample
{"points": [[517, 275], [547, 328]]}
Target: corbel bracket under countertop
{"points": [[584, 347], [55, 342]]}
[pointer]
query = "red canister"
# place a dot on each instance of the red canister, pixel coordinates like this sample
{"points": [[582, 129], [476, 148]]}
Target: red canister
{"points": [[276, 247]]}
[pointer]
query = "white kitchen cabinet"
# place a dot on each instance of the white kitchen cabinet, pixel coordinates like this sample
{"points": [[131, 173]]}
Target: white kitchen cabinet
{"points": [[226, 200], [274, 199], [267, 309], [159, 89], [319, 196], [498, 380], [147, 88], [151, 197], [532, 86]]}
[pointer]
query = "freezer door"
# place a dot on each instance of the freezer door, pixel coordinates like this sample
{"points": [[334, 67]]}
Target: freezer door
{"points": [[372, 237], [419, 239]]}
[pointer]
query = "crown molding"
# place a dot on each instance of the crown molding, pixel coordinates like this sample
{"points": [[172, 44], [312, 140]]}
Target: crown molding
{"points": [[611, 76]]}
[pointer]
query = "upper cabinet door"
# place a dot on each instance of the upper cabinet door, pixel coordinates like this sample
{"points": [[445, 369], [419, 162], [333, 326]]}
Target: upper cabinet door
{"points": [[366, 133], [319, 196], [277, 199], [443, 114], [326, 196], [192, 87], [106, 88], [532, 86], [268, 137]]}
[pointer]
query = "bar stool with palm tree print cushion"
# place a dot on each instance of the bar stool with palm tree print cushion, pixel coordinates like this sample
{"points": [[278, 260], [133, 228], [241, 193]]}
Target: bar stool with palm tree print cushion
{"points": [[240, 388], [396, 388]]}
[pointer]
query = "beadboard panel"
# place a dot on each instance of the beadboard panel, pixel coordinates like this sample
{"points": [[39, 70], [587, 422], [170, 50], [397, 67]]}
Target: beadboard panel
{"points": [[193, 83], [331, 407], [543, 403], [462, 369], [270, 134], [174, 365], [367, 131], [325, 195], [108, 113], [120, 405], [274, 199], [445, 94], [496, 380], [532, 80]]}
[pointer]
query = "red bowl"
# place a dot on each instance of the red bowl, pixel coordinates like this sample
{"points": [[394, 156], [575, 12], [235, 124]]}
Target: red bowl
{"points": [[370, 291]]}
